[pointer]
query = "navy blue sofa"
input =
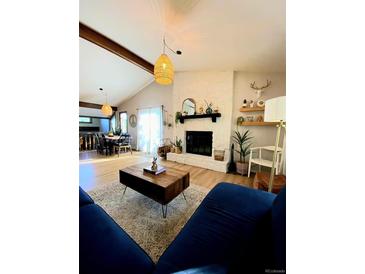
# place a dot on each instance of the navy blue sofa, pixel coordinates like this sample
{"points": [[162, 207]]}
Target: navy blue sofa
{"points": [[234, 230]]}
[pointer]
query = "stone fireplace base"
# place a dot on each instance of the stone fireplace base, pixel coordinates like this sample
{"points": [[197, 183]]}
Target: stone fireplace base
{"points": [[207, 162]]}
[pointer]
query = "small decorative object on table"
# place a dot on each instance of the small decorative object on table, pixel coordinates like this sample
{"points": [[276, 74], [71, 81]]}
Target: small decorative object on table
{"points": [[154, 163], [260, 103], [251, 104], [216, 110], [110, 134], [244, 104], [201, 110], [159, 170], [154, 169]]}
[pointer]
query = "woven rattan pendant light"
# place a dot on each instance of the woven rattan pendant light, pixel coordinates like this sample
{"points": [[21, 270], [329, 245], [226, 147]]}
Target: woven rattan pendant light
{"points": [[164, 69], [106, 109]]}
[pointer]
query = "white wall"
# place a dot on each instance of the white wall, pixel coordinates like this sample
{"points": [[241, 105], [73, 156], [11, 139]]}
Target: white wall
{"points": [[263, 135], [225, 89], [213, 86], [154, 95]]}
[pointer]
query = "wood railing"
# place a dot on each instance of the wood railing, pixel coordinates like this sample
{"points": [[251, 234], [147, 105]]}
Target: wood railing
{"points": [[87, 141]]}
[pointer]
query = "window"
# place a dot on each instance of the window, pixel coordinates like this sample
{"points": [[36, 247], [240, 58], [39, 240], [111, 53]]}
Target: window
{"points": [[149, 129], [85, 120], [123, 116]]}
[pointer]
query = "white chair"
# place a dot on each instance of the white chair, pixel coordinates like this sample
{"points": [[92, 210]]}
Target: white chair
{"points": [[264, 162]]}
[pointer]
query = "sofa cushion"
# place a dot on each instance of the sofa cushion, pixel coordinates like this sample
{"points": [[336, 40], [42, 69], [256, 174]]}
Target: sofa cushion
{"points": [[106, 248], [221, 232], [209, 269], [84, 198]]}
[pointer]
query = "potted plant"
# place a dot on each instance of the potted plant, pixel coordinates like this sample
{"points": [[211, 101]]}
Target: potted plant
{"points": [[242, 140], [117, 131], [177, 117], [177, 145]]}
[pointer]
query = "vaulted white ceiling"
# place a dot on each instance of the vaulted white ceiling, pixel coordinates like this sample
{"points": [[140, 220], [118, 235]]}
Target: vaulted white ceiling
{"points": [[245, 35], [100, 68]]}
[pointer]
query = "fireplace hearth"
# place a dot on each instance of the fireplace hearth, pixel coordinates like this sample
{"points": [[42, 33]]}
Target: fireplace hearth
{"points": [[199, 142]]}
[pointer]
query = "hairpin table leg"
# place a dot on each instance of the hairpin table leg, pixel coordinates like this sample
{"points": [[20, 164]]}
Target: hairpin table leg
{"points": [[164, 211], [124, 191]]}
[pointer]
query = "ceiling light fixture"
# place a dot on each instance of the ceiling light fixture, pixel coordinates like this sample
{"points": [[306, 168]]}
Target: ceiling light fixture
{"points": [[106, 109], [164, 69]]}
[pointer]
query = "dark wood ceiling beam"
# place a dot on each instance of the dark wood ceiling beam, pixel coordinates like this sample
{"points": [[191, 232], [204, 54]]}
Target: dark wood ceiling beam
{"points": [[108, 44], [92, 105]]}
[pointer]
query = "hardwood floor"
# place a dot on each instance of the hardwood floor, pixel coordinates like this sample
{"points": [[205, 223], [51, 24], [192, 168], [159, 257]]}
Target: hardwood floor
{"points": [[96, 171]]}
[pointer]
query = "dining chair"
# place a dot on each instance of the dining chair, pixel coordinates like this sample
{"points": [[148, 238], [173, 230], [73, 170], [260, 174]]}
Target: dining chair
{"points": [[105, 145], [123, 142], [98, 144]]}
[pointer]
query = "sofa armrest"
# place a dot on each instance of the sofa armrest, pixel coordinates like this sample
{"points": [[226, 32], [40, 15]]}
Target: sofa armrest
{"points": [[84, 198], [221, 232], [104, 247]]}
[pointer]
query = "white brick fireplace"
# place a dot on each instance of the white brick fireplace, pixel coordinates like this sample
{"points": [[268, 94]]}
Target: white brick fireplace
{"points": [[215, 87]]}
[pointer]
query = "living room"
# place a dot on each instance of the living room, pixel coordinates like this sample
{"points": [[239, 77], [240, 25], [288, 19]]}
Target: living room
{"points": [[182, 126], [182, 136]]}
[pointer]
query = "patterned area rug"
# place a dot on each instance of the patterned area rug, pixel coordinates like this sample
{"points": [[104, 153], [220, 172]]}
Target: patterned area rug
{"points": [[142, 218]]}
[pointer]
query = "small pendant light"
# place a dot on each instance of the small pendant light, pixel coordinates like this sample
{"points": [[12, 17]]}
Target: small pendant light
{"points": [[106, 109]]}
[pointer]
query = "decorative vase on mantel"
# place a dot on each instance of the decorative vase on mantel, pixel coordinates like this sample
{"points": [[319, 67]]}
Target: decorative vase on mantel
{"points": [[209, 109]]}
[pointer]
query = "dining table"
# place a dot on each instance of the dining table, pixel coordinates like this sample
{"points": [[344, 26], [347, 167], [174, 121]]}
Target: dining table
{"points": [[112, 139]]}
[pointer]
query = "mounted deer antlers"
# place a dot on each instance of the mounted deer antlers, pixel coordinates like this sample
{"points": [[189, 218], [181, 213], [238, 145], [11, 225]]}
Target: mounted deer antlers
{"points": [[260, 89], [253, 85]]}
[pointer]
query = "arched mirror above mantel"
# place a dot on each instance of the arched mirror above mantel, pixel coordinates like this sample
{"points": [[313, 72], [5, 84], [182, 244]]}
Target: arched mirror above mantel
{"points": [[189, 106]]}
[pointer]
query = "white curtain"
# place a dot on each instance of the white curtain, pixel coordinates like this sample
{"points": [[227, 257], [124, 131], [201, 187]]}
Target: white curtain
{"points": [[149, 129]]}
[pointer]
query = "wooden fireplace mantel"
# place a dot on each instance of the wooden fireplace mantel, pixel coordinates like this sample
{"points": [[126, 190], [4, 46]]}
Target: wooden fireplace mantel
{"points": [[199, 116]]}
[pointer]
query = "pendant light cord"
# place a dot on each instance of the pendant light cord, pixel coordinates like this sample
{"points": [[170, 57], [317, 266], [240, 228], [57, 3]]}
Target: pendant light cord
{"points": [[164, 44], [178, 52]]}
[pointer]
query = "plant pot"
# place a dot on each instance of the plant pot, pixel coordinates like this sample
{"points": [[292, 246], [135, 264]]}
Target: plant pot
{"points": [[178, 150], [172, 149], [242, 168]]}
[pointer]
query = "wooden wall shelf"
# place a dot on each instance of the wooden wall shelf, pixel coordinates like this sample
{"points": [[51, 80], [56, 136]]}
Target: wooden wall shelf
{"points": [[199, 116], [248, 109], [259, 123]]}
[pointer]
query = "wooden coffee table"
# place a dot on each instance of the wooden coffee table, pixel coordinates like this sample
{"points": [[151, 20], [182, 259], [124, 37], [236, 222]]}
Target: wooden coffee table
{"points": [[162, 188]]}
